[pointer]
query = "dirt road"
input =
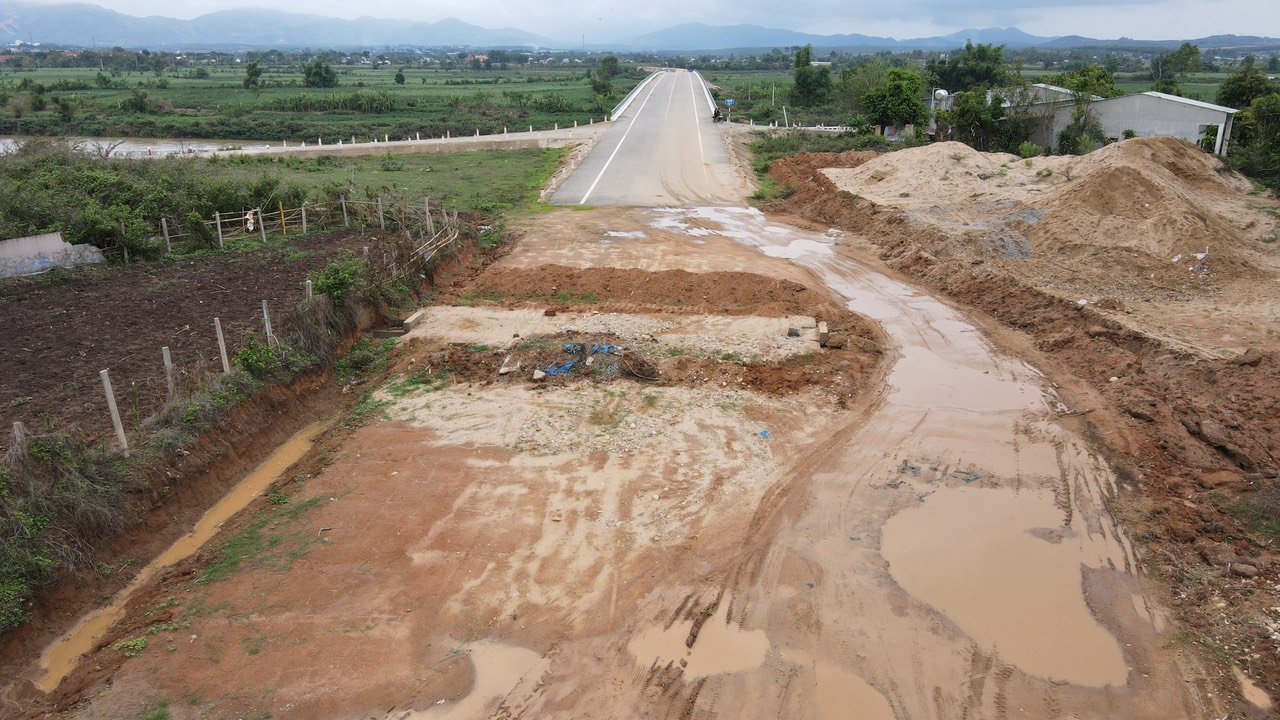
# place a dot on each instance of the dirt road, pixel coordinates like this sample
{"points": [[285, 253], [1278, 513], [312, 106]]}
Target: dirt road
{"points": [[918, 530]]}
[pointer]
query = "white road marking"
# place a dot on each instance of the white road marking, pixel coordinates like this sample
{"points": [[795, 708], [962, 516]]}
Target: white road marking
{"points": [[697, 128], [613, 154]]}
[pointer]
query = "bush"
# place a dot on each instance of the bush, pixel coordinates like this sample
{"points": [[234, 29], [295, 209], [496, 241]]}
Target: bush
{"points": [[338, 277], [257, 358], [1029, 149], [1129, 134]]}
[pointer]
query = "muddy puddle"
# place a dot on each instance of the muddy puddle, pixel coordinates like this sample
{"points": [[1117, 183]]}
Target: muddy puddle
{"points": [[498, 669], [1255, 695], [62, 657], [720, 647], [961, 520]]}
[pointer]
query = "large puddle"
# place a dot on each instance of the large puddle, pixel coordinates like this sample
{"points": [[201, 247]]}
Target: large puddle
{"points": [[64, 654], [498, 669], [998, 510]]}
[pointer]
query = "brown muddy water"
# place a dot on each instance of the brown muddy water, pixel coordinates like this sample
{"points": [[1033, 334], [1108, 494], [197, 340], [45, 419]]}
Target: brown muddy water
{"points": [[63, 655]]}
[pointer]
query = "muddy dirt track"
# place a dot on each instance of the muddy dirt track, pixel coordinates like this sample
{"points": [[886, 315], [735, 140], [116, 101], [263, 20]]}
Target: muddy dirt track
{"points": [[914, 521]]}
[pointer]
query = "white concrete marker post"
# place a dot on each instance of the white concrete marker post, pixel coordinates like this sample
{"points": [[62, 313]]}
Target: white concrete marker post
{"points": [[310, 292], [115, 411], [164, 228], [266, 322], [168, 373], [222, 346], [304, 218], [262, 227]]}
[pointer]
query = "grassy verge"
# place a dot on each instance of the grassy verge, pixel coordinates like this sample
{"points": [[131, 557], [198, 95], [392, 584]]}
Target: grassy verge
{"points": [[771, 146]]}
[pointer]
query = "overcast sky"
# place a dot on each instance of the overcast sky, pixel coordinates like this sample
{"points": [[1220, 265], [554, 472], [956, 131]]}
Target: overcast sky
{"points": [[606, 19]]}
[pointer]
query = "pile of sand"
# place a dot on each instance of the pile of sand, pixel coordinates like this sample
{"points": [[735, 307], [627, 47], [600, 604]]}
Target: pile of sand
{"points": [[1145, 200]]}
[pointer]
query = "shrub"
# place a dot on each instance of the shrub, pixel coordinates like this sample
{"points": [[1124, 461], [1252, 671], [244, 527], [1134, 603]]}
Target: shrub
{"points": [[1129, 134], [338, 277], [1029, 149], [257, 358]]}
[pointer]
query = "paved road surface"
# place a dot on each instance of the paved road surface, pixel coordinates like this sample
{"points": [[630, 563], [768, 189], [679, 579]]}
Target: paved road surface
{"points": [[663, 151]]}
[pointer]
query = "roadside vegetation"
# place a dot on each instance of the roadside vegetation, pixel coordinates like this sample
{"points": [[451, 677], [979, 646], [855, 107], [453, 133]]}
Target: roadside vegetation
{"points": [[117, 203]]}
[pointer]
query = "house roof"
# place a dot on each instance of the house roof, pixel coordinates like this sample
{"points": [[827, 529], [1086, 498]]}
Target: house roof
{"points": [[1189, 101], [1054, 88]]}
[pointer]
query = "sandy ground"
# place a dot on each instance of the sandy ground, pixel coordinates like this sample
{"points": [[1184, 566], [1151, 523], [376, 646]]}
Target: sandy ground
{"points": [[1126, 228]]}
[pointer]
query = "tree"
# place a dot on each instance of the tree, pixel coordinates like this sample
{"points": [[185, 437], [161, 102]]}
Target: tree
{"points": [[1245, 85], [253, 76], [1257, 143], [1091, 80], [400, 76], [854, 84], [1273, 65], [898, 100], [319, 74], [984, 122], [812, 85], [976, 66], [609, 67], [1175, 66]]}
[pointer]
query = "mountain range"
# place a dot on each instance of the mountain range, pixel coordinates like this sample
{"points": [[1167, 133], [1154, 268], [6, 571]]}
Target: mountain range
{"points": [[86, 25]]}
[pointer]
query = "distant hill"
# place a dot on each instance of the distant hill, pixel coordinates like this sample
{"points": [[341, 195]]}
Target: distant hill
{"points": [[84, 25]]}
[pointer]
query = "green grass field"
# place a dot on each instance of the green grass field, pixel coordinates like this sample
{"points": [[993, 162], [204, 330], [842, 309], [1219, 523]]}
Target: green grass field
{"points": [[180, 105], [489, 181]]}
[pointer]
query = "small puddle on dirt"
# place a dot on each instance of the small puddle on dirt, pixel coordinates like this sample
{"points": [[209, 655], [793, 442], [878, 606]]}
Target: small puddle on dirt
{"points": [[61, 657], [719, 648], [1256, 696], [971, 554], [498, 669]]}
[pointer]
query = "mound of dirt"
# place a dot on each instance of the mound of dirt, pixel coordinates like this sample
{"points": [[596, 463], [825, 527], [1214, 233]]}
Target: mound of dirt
{"points": [[1148, 205], [612, 289]]}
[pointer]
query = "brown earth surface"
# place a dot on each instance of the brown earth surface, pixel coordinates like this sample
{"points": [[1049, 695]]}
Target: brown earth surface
{"points": [[1197, 433], [58, 330]]}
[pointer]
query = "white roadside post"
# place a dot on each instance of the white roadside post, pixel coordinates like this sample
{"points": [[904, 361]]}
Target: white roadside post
{"points": [[222, 345], [168, 373], [115, 411], [266, 322]]}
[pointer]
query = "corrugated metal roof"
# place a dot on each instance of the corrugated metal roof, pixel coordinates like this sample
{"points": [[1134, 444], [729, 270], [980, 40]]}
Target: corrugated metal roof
{"points": [[1189, 101]]}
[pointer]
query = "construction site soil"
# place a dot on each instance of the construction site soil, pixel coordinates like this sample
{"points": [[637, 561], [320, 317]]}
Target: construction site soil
{"points": [[1193, 423]]}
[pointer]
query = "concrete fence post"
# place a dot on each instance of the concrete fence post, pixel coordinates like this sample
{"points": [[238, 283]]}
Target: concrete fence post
{"points": [[477, 132], [310, 291], [262, 227], [386, 138], [417, 136], [222, 345], [530, 128], [266, 323], [304, 218], [345, 221], [382, 220], [164, 230], [19, 433], [168, 373], [217, 220], [115, 411]]}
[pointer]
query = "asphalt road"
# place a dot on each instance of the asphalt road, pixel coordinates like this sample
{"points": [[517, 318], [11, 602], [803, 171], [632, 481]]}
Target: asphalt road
{"points": [[664, 150]]}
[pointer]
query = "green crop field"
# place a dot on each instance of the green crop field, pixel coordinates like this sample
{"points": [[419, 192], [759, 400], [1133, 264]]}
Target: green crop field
{"points": [[1199, 86], [367, 103]]}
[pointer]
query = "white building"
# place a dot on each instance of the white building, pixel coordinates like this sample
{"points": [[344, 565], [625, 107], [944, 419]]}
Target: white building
{"points": [[1154, 114]]}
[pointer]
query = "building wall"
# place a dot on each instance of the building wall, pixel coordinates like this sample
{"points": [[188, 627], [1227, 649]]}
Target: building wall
{"points": [[1149, 117]]}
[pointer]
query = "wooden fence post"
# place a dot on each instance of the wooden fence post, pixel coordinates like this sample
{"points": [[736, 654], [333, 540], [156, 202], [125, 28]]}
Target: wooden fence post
{"points": [[345, 221], [164, 228], [382, 222], [217, 220], [262, 227], [115, 411], [168, 373], [222, 345], [266, 321], [284, 226]]}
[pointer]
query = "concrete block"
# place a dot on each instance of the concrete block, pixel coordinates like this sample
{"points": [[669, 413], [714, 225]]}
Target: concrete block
{"points": [[415, 319], [823, 334]]}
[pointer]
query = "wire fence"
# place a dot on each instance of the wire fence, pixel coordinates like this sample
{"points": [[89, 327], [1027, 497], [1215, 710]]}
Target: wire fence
{"points": [[412, 238]]}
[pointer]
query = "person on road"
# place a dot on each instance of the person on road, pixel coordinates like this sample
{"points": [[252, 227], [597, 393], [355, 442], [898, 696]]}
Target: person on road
{"points": [[716, 116]]}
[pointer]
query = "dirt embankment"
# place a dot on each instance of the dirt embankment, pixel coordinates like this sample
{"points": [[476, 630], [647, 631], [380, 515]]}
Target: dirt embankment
{"points": [[1200, 436]]}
